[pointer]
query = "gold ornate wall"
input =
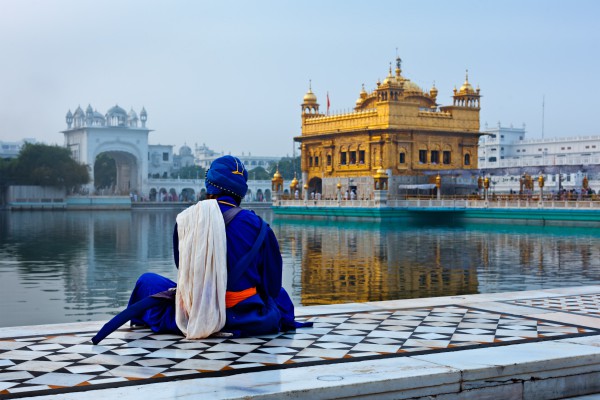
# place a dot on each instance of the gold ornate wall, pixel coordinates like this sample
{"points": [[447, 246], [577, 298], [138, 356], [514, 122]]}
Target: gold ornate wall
{"points": [[397, 127]]}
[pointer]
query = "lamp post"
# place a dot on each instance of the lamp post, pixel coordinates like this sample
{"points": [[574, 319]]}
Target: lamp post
{"points": [[541, 185], [438, 185], [486, 186], [305, 193]]}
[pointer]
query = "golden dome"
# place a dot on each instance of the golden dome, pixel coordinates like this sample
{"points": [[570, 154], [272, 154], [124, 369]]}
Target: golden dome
{"points": [[411, 86], [466, 87], [310, 97], [363, 92], [433, 91], [380, 173]]}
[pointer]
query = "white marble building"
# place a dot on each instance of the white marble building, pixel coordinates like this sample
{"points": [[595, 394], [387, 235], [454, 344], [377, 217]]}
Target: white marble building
{"points": [[506, 154], [11, 149], [204, 156]]}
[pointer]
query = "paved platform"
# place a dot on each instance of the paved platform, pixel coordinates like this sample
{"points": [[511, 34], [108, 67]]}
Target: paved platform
{"points": [[539, 344]]}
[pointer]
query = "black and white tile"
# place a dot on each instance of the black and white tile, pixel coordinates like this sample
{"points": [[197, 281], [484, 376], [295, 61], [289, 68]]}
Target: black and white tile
{"points": [[69, 362]]}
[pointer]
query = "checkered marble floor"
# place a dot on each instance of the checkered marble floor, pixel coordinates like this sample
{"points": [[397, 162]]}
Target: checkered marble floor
{"points": [[70, 362], [581, 304]]}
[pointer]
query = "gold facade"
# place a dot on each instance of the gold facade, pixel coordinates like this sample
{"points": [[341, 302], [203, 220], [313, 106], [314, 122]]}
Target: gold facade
{"points": [[397, 127]]}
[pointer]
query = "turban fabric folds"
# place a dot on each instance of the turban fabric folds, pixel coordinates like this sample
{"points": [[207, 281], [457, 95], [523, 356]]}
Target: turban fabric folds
{"points": [[227, 175]]}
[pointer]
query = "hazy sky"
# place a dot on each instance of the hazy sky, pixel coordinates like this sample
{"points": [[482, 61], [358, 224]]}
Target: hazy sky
{"points": [[232, 74]]}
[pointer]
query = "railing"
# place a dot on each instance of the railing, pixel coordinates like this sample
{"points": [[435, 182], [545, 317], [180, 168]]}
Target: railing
{"points": [[325, 203], [473, 202]]}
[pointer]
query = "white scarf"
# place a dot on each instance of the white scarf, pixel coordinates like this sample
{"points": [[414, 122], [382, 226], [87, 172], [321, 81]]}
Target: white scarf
{"points": [[202, 276]]}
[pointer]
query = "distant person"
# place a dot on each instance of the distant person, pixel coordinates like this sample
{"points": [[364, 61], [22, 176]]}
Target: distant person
{"points": [[230, 270]]}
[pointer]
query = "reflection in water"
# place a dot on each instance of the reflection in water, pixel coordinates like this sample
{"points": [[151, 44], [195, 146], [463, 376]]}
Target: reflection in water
{"points": [[78, 266]]}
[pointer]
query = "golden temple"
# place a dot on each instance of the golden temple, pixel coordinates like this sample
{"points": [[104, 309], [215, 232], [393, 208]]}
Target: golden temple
{"points": [[397, 128]]}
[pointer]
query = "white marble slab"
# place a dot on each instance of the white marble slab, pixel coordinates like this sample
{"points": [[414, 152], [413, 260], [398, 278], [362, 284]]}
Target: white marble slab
{"points": [[405, 375]]}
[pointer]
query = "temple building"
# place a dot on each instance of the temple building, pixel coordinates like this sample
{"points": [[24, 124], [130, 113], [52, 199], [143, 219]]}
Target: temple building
{"points": [[397, 128]]}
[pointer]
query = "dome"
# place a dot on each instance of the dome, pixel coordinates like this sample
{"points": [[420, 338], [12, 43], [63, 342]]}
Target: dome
{"points": [[466, 87], [433, 91], [78, 112], [411, 86], [310, 97], [132, 114], [185, 150], [116, 111]]}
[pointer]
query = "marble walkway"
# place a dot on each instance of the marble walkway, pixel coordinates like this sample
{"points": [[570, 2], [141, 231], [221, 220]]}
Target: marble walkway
{"points": [[534, 344]]}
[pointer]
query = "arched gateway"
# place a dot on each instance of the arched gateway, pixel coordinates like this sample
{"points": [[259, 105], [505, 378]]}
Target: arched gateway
{"points": [[117, 135]]}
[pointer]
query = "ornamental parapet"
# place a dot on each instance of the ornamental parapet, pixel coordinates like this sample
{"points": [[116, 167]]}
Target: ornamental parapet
{"points": [[435, 114]]}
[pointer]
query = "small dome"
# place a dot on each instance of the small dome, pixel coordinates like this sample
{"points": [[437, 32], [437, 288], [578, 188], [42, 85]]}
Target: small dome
{"points": [[69, 114], [380, 173], [310, 97], [132, 114], [433, 91], [185, 150], [466, 87], [78, 112], [116, 111]]}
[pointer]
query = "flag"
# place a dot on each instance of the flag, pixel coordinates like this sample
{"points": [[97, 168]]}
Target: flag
{"points": [[328, 104]]}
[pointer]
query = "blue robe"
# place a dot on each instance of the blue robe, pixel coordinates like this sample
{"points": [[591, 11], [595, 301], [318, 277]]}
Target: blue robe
{"points": [[269, 311]]}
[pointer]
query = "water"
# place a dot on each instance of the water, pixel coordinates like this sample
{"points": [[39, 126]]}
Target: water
{"points": [[81, 266]]}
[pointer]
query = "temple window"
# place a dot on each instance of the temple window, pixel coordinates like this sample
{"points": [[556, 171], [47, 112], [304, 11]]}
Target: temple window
{"points": [[447, 157], [165, 156], [328, 160], [353, 157], [468, 159], [310, 161], [402, 159], [343, 158], [435, 156], [423, 156], [361, 156], [316, 161]]}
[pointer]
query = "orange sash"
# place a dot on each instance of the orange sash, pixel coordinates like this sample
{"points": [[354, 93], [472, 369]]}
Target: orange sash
{"points": [[232, 298]]}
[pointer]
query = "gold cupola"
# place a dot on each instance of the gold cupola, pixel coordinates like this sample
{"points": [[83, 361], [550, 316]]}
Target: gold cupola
{"points": [[309, 102], [277, 181]]}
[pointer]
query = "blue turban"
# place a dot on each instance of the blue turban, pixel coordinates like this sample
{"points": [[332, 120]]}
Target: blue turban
{"points": [[227, 175]]}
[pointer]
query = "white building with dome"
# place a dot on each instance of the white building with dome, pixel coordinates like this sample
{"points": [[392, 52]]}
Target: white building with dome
{"points": [[144, 170], [121, 135]]}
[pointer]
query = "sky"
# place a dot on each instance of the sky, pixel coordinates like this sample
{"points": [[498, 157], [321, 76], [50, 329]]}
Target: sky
{"points": [[232, 74]]}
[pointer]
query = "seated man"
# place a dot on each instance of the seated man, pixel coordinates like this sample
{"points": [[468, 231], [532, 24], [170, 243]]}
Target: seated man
{"points": [[255, 301]]}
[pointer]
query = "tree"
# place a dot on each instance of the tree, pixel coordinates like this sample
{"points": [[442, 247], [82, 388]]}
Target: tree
{"points": [[6, 171], [43, 165], [258, 174], [105, 171], [287, 166], [190, 172]]}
